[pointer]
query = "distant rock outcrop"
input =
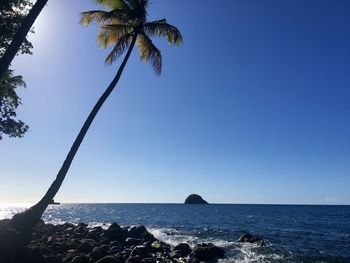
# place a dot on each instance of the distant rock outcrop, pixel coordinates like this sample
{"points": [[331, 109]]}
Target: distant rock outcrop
{"points": [[249, 238], [195, 199]]}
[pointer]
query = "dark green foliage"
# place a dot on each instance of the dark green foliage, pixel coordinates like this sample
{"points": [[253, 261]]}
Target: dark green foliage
{"points": [[9, 101], [12, 14]]}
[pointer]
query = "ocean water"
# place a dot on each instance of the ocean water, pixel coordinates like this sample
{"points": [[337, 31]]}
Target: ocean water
{"points": [[293, 233]]}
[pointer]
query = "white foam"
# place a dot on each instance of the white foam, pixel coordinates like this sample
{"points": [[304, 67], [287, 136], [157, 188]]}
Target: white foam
{"points": [[237, 252], [173, 236], [99, 224]]}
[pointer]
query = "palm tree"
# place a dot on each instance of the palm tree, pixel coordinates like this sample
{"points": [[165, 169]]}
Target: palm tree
{"points": [[123, 26], [20, 35]]}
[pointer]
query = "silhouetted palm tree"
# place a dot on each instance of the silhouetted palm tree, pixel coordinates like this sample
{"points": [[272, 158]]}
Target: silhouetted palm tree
{"points": [[123, 26], [20, 35]]}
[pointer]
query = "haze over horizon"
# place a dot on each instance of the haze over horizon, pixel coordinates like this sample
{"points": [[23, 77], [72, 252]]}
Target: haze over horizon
{"points": [[252, 108]]}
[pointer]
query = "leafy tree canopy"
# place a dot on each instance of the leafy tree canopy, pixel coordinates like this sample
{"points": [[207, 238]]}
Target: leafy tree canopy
{"points": [[12, 14], [9, 101]]}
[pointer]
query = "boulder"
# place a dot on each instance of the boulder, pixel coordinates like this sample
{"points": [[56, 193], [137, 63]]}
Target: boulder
{"points": [[141, 251], [249, 238], [137, 231], [195, 199], [80, 259], [130, 241], [109, 259], [97, 253], [85, 247], [207, 252], [114, 232], [182, 250], [115, 250]]}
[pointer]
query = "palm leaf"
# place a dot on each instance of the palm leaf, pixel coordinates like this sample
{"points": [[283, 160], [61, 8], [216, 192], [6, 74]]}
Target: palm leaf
{"points": [[149, 52], [162, 29], [119, 48], [110, 34], [116, 16], [114, 4]]}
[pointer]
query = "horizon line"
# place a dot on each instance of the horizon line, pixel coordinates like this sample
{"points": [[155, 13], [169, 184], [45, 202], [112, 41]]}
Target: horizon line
{"points": [[177, 203]]}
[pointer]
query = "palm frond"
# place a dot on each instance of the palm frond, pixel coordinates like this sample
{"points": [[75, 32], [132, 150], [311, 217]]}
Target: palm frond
{"points": [[162, 29], [149, 52], [119, 48], [114, 4], [101, 17], [17, 81], [110, 34], [11, 81]]}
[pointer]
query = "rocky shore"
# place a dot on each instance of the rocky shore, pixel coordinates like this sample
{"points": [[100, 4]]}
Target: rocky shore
{"points": [[68, 243]]}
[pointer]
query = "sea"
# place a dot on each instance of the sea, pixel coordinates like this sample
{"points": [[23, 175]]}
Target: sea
{"points": [[293, 233]]}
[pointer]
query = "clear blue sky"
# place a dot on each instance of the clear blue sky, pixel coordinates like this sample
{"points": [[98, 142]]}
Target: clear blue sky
{"points": [[253, 108]]}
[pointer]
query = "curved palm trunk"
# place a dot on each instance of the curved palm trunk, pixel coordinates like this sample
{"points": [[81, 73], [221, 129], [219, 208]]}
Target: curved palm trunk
{"points": [[24, 222], [20, 35]]}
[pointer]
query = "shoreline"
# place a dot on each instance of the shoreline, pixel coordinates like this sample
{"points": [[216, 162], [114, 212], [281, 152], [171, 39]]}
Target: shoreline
{"points": [[283, 227], [79, 243]]}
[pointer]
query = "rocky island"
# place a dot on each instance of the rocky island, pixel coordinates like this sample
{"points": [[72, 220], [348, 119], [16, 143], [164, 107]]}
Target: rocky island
{"points": [[195, 199]]}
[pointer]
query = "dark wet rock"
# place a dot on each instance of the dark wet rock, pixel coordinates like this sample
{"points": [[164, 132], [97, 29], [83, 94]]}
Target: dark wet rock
{"points": [[114, 226], [46, 251], [132, 259], [85, 247], [207, 252], [105, 249], [137, 231], [82, 225], [105, 240], [130, 241], [96, 253], [80, 259], [115, 250], [182, 250], [110, 259], [149, 260], [195, 199], [114, 232], [66, 225], [35, 255], [114, 243], [95, 235], [158, 246], [74, 244], [58, 246], [70, 255], [81, 228], [141, 251], [249, 238], [148, 237], [69, 243]]}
